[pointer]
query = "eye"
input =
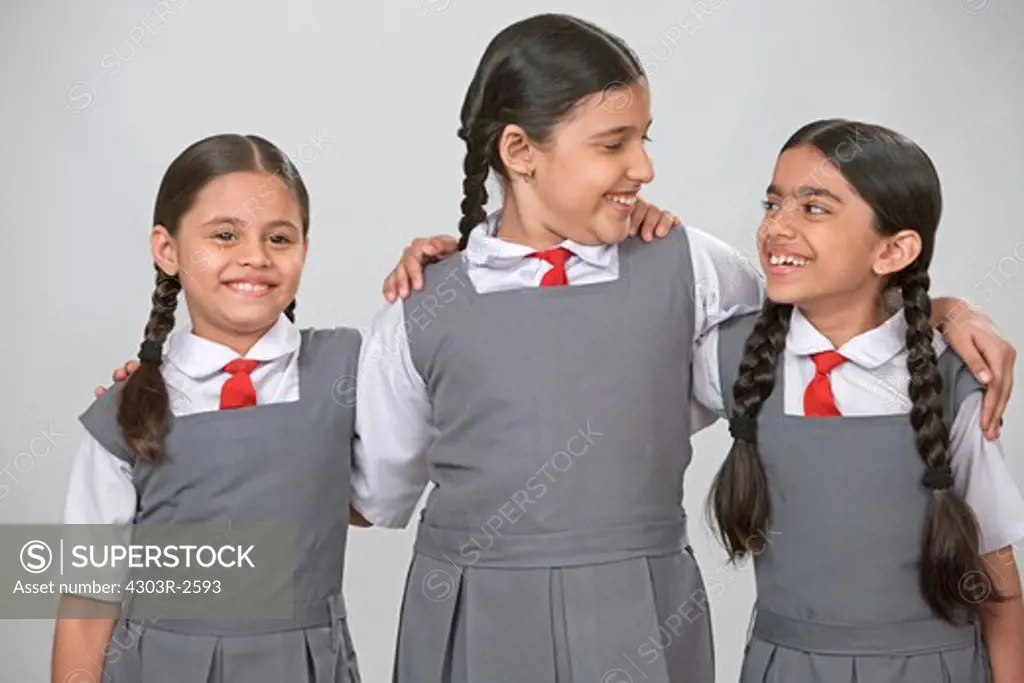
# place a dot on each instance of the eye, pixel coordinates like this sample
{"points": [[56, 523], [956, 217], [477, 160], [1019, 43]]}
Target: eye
{"points": [[280, 239], [770, 205], [648, 138], [816, 210], [224, 236], [613, 147]]}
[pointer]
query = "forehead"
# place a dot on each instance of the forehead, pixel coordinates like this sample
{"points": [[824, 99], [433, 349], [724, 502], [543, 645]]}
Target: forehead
{"points": [[805, 166], [617, 106], [248, 196]]}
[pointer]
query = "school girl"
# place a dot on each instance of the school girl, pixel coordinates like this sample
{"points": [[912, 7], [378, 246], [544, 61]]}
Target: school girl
{"points": [[552, 420], [239, 266], [880, 517], [232, 421]]}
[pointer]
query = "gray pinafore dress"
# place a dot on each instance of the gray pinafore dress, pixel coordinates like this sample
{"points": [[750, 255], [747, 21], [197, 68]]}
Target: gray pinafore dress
{"points": [[282, 464], [553, 546], [838, 597]]}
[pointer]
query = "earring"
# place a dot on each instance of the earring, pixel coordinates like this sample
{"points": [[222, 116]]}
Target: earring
{"points": [[528, 176]]}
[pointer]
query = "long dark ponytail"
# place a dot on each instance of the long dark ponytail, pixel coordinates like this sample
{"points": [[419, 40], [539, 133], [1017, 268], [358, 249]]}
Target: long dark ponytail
{"points": [[144, 405], [899, 182], [532, 74]]}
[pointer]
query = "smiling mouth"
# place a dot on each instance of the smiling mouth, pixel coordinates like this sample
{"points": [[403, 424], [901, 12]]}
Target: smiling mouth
{"points": [[250, 289], [626, 200], [794, 260]]}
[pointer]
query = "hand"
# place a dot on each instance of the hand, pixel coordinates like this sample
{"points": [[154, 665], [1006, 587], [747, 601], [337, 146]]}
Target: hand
{"points": [[409, 270], [650, 221], [119, 375], [973, 335]]}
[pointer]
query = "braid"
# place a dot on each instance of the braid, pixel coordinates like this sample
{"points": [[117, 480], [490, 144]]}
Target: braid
{"points": [[739, 495], [950, 549], [290, 311], [476, 167], [144, 406]]}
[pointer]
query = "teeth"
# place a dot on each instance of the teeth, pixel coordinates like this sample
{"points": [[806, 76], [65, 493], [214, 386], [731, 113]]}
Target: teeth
{"points": [[249, 287], [787, 260], [628, 200]]}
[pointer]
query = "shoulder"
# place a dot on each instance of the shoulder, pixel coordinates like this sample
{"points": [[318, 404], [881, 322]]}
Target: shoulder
{"points": [[958, 382], [739, 326], [106, 404], [100, 421], [439, 270], [335, 341]]}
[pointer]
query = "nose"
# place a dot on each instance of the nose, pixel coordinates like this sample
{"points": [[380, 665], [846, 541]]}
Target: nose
{"points": [[641, 167], [781, 222], [253, 251]]}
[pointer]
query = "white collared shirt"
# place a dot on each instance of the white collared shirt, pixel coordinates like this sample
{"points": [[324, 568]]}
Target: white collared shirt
{"points": [[392, 404], [875, 381], [101, 489]]}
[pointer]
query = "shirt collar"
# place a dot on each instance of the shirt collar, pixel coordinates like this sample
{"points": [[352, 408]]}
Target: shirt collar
{"points": [[487, 250], [870, 349], [197, 357]]}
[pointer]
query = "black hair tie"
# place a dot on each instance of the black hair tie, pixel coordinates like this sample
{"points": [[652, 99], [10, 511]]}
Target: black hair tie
{"points": [[151, 352], [938, 479], [744, 428]]}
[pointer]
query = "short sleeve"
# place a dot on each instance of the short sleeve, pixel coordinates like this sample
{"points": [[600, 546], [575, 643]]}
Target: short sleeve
{"points": [[983, 479]]}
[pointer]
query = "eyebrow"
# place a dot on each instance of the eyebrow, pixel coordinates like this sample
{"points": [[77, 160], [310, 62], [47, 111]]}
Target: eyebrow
{"points": [[617, 130], [807, 191], [239, 223]]}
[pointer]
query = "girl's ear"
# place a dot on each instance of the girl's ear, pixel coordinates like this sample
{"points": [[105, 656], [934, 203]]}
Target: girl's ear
{"points": [[164, 250], [897, 252], [516, 151]]}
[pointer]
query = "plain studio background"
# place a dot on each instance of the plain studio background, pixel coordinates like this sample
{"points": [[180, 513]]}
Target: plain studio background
{"points": [[365, 98]]}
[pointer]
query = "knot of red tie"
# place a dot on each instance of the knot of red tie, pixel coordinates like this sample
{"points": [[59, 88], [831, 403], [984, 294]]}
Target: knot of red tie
{"points": [[238, 391], [818, 398], [827, 361], [557, 257]]}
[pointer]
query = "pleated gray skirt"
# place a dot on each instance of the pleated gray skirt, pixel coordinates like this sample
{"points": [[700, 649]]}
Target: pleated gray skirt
{"points": [[642, 619], [925, 652], [153, 655]]}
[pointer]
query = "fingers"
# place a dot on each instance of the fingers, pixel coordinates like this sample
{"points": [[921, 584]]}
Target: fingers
{"points": [[131, 366], [408, 274], [99, 391], [993, 367], [401, 275], [637, 219], [997, 396], [446, 245], [390, 288]]}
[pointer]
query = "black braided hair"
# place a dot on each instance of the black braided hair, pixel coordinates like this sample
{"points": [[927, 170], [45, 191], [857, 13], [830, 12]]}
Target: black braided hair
{"points": [[739, 499], [144, 406], [950, 543]]}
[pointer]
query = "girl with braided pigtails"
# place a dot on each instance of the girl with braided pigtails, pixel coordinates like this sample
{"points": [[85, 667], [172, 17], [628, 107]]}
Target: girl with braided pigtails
{"points": [[879, 515], [231, 420], [540, 379]]}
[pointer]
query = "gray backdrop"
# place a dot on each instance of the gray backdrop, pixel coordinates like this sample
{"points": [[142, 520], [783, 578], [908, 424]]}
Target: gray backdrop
{"points": [[97, 98]]}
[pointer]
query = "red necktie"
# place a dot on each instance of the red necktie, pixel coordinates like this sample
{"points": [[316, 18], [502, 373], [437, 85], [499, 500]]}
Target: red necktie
{"points": [[818, 399], [238, 391], [557, 258]]}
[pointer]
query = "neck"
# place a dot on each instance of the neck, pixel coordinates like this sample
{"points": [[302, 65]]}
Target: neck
{"points": [[524, 224], [240, 341], [840, 322]]}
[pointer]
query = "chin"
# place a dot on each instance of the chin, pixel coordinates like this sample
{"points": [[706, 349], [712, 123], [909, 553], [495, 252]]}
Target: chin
{"points": [[608, 233], [253, 319], [784, 294]]}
